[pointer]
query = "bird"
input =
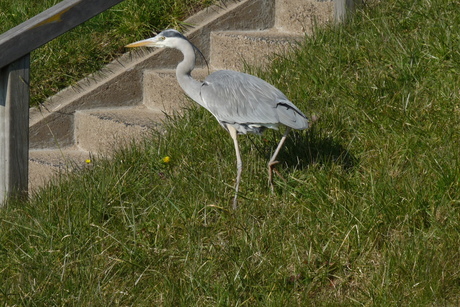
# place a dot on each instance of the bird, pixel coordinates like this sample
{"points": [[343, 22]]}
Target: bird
{"points": [[241, 103]]}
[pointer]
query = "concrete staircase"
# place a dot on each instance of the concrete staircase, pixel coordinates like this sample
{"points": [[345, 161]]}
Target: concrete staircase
{"points": [[132, 95]]}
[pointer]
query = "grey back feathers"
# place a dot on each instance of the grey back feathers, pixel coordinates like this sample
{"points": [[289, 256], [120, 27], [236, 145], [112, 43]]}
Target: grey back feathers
{"points": [[249, 103]]}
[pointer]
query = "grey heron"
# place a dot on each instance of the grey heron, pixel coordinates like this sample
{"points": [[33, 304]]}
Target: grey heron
{"points": [[240, 102]]}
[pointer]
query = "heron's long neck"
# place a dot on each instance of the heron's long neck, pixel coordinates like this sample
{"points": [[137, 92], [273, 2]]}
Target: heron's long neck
{"points": [[190, 86]]}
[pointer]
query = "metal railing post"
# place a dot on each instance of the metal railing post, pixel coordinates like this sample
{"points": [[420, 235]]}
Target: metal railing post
{"points": [[14, 128]]}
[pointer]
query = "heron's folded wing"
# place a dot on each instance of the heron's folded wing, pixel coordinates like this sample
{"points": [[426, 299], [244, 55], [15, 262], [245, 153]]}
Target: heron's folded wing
{"points": [[234, 97]]}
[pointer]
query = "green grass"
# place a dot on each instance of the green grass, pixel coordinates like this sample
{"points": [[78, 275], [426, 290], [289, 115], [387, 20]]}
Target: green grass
{"points": [[87, 48], [368, 212]]}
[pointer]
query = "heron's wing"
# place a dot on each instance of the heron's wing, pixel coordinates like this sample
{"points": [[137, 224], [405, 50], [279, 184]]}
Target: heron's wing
{"points": [[238, 98]]}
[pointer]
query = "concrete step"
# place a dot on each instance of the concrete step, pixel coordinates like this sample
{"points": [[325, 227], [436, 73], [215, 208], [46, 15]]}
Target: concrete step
{"points": [[102, 131], [162, 91], [234, 49], [44, 164], [299, 16]]}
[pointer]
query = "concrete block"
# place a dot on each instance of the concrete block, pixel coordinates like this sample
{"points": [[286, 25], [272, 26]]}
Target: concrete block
{"points": [[45, 164], [51, 126], [102, 131], [299, 16], [232, 50]]}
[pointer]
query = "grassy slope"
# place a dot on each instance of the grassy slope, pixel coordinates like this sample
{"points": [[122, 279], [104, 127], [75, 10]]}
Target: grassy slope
{"points": [[97, 42], [368, 212]]}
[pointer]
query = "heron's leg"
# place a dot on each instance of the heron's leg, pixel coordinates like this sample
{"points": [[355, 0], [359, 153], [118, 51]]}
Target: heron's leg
{"points": [[273, 162], [239, 163]]}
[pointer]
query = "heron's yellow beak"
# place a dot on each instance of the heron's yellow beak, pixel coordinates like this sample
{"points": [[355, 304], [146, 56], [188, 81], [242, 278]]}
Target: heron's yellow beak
{"points": [[143, 43]]}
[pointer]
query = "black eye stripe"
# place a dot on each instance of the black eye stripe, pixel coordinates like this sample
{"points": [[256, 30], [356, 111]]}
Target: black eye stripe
{"points": [[171, 33]]}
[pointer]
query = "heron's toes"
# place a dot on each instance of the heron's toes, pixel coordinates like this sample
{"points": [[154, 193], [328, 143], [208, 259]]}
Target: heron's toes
{"points": [[271, 170]]}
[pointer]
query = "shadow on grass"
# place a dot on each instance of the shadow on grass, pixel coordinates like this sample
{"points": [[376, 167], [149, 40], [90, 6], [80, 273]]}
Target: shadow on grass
{"points": [[304, 148]]}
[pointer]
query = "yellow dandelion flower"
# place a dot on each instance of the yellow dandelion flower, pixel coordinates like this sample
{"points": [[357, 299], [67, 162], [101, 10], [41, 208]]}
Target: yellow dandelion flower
{"points": [[88, 161], [166, 159]]}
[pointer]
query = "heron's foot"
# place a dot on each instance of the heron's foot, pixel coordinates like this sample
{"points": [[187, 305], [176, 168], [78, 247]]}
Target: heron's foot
{"points": [[271, 170]]}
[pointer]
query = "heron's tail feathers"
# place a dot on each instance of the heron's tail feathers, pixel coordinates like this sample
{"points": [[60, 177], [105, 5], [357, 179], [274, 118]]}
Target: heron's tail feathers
{"points": [[291, 116]]}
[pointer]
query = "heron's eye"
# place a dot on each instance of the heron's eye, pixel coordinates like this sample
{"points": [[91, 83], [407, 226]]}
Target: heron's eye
{"points": [[162, 38]]}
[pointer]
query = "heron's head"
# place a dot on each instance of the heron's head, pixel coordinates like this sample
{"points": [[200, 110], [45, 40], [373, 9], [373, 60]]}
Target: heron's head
{"points": [[167, 38]]}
